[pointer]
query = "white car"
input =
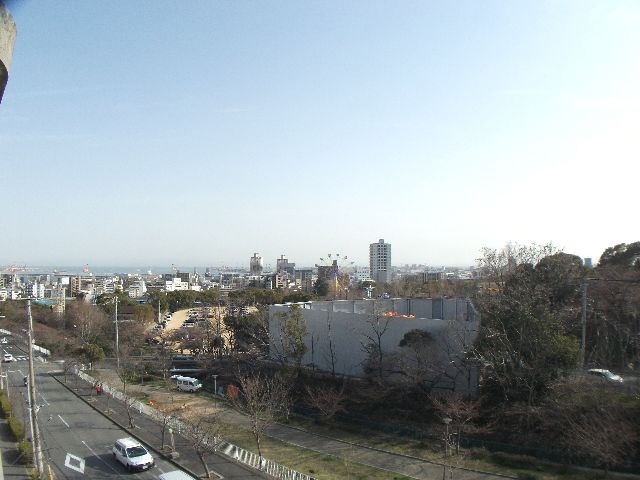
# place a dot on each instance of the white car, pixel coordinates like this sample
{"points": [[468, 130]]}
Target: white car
{"points": [[130, 453], [8, 358], [605, 375]]}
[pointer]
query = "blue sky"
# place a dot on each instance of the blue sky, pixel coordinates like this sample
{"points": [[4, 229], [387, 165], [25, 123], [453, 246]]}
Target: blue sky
{"points": [[159, 132]]}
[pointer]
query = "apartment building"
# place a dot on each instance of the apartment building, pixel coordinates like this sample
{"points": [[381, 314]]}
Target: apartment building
{"points": [[380, 261]]}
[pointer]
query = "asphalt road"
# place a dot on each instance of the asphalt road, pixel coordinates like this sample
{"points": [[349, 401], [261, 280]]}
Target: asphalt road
{"points": [[76, 440]]}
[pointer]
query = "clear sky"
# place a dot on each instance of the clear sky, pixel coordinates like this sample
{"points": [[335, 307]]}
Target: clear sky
{"points": [[158, 132]]}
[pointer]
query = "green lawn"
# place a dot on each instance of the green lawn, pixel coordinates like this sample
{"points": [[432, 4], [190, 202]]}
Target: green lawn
{"points": [[306, 461]]}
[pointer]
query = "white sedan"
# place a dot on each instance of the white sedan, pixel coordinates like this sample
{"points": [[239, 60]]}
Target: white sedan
{"points": [[605, 375]]}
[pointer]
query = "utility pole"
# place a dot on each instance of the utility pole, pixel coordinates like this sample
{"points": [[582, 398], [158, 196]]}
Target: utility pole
{"points": [[1, 381], [33, 410], [583, 324], [117, 336]]}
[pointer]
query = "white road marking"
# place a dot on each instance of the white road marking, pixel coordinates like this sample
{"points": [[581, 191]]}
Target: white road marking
{"points": [[43, 399], [79, 467], [98, 456], [90, 449], [62, 419]]}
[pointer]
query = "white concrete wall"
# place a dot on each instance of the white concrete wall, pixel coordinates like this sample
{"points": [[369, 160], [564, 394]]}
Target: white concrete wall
{"points": [[346, 324]]}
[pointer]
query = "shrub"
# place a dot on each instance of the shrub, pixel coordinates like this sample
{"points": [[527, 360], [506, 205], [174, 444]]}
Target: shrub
{"points": [[5, 406], [514, 461], [16, 428], [232, 391], [477, 453], [527, 476], [26, 452]]}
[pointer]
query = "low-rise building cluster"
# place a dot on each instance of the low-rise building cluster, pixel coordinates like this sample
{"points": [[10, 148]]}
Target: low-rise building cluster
{"points": [[335, 270]]}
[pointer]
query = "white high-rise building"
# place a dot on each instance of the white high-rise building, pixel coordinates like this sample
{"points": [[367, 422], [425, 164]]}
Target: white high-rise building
{"points": [[380, 261]]}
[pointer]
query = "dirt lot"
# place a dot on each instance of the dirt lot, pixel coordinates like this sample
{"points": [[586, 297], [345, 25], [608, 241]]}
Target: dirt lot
{"points": [[165, 398]]}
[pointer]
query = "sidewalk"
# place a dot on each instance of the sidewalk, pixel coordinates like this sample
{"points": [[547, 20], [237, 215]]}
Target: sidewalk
{"points": [[392, 462], [10, 466], [150, 433]]}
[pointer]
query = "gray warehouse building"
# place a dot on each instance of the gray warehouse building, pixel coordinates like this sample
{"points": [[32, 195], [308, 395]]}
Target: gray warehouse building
{"points": [[340, 335]]}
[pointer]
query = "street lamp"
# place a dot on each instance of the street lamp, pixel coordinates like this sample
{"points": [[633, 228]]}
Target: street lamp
{"points": [[446, 421], [215, 384], [115, 301]]}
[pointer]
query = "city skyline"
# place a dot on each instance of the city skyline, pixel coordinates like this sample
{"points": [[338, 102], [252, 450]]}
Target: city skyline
{"points": [[147, 134]]}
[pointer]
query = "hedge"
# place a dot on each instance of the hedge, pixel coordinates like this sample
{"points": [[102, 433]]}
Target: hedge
{"points": [[26, 452], [5, 406], [16, 428]]}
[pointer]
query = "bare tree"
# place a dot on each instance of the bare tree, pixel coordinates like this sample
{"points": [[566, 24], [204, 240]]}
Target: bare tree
{"points": [[331, 346], [458, 408], [89, 322], [588, 416], [264, 400], [195, 340], [378, 325], [495, 265], [205, 436], [167, 413], [328, 401], [126, 374], [69, 366], [604, 434], [129, 402]]}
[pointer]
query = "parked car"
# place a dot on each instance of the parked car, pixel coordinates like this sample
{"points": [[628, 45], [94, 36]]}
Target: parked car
{"points": [[8, 358], [188, 384], [130, 453], [605, 375]]}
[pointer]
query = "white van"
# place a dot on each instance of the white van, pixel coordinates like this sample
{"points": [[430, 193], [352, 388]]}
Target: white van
{"points": [[188, 384]]}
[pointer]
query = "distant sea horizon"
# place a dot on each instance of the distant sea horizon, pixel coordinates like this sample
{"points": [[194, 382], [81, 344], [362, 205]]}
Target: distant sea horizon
{"points": [[102, 270]]}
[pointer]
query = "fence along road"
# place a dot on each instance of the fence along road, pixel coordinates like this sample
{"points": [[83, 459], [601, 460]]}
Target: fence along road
{"points": [[217, 444]]}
